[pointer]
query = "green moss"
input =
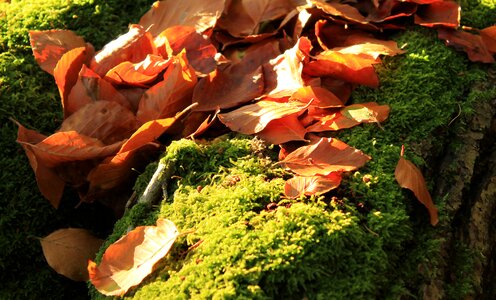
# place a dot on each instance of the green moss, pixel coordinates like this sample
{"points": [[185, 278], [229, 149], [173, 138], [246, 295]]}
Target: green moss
{"points": [[478, 13]]}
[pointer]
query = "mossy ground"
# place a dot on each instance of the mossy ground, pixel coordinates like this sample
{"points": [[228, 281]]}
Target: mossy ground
{"points": [[354, 248]]}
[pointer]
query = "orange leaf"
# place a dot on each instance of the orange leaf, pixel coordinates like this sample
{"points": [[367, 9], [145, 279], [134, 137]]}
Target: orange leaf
{"points": [[361, 44], [67, 251], [138, 74], [344, 11], [283, 73], [320, 97], [49, 183], [49, 46], [349, 67], [350, 116], [67, 69], [410, 177], [313, 185], [90, 88], [283, 130], [324, 157], [132, 46], [253, 118], [171, 95], [472, 44], [440, 13], [106, 121], [164, 14], [199, 49], [69, 146], [488, 35], [128, 261]]}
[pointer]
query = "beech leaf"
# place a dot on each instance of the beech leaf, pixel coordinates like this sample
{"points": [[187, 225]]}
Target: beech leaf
{"points": [[410, 177], [253, 118], [283, 130], [324, 157], [440, 13], [128, 261], [49, 46], [472, 44], [313, 185], [67, 251], [137, 74], [201, 15]]}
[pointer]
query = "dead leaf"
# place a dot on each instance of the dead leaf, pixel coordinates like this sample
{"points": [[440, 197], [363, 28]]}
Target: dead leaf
{"points": [[283, 130], [409, 176], [243, 18], [350, 116], [472, 44], [253, 118], [67, 251], [341, 10], [314, 185], [132, 46], [439, 13], [49, 183], [319, 97], [69, 146], [138, 74], [349, 67], [171, 95], [165, 14], [488, 35], [49, 46], [106, 121], [324, 157], [283, 74], [128, 261], [199, 49]]}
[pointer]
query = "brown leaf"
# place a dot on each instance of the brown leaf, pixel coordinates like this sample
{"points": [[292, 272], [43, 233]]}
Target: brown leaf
{"points": [[319, 97], [171, 95], [313, 185], [137, 74], [283, 73], [324, 157], [253, 118], [128, 261], [132, 46], [49, 183], [344, 11], [283, 130], [164, 14], [49, 46], [199, 49], [472, 44], [488, 35], [229, 87], [243, 18], [67, 251], [362, 44], [410, 177], [440, 13], [69, 146], [106, 121], [349, 67], [350, 116]]}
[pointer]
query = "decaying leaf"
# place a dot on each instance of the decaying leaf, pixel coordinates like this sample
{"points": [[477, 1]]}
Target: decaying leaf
{"points": [[283, 130], [128, 261], [324, 157], [313, 185], [410, 177], [67, 251]]}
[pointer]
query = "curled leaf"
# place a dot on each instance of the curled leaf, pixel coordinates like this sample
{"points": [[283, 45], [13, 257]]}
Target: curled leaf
{"points": [[128, 261], [137, 74], [67, 251], [409, 177]]}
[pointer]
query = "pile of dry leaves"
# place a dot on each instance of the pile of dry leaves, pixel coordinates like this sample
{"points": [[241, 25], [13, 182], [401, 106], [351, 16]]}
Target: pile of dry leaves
{"points": [[282, 70]]}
